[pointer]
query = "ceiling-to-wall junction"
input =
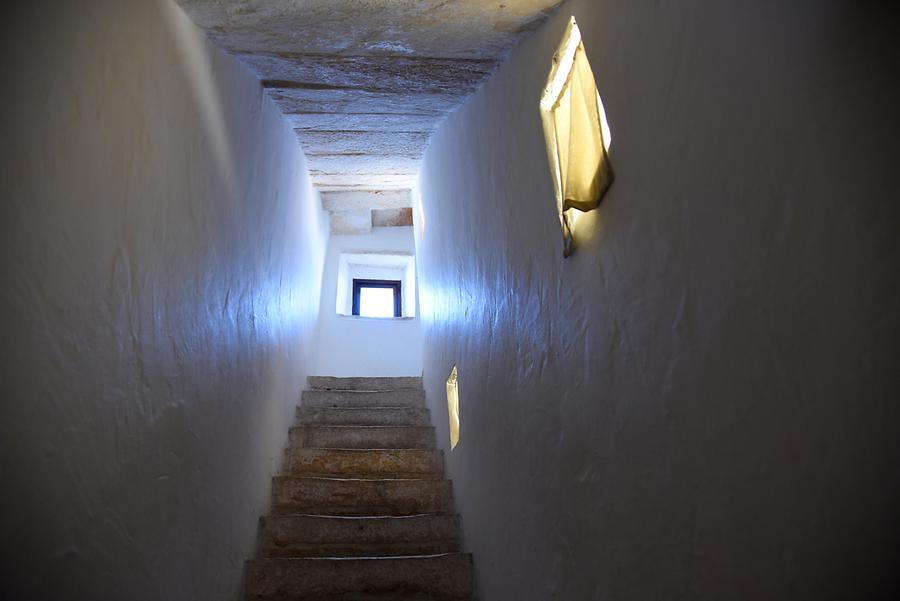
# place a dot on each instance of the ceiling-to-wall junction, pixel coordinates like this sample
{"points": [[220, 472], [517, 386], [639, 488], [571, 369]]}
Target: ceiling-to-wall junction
{"points": [[365, 82]]}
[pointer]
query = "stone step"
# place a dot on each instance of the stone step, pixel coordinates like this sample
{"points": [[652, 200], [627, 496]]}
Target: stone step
{"points": [[329, 536], [360, 398], [445, 577], [357, 497], [363, 437], [333, 383], [364, 416], [365, 463]]}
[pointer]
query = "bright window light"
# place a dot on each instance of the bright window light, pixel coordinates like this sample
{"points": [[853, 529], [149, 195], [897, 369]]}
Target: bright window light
{"points": [[377, 298], [376, 269], [453, 407], [576, 133], [376, 302]]}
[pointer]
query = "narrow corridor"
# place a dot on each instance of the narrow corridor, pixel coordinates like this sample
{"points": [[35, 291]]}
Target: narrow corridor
{"points": [[621, 278]]}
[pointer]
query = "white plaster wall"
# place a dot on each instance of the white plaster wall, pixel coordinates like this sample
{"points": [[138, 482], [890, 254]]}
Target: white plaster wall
{"points": [[701, 403], [162, 253], [360, 346]]}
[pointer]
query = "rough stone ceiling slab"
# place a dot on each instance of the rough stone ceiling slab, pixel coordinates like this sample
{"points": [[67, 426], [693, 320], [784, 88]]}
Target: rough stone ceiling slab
{"points": [[365, 82], [348, 200], [392, 217]]}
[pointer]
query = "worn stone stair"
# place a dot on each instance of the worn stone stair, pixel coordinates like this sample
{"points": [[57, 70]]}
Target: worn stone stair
{"points": [[300, 535], [363, 437], [388, 415], [362, 511], [383, 463], [356, 497], [363, 398]]}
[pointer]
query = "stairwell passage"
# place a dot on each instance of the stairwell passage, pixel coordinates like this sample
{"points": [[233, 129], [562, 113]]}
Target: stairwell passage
{"points": [[363, 511]]}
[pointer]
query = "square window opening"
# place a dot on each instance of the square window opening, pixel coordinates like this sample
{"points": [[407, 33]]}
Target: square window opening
{"points": [[386, 266], [377, 298]]}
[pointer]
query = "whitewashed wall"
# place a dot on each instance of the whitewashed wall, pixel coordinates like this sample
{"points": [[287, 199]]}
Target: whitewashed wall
{"points": [[162, 254], [702, 402]]}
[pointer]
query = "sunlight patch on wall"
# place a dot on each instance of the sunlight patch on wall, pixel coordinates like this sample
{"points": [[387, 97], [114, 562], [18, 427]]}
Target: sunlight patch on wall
{"points": [[453, 407], [576, 133], [420, 211]]}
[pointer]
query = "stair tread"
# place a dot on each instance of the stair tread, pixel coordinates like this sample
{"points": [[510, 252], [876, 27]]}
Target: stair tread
{"points": [[361, 496], [362, 519], [359, 427], [365, 383], [441, 577], [352, 518], [361, 451], [367, 408], [360, 478], [414, 391], [338, 436], [369, 449], [393, 415], [362, 462], [348, 559], [362, 509], [304, 535], [362, 398]]}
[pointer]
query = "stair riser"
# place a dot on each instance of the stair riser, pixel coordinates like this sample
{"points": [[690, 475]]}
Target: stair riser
{"points": [[361, 497], [314, 536], [332, 398], [330, 383], [359, 549], [437, 578], [401, 437], [365, 463], [393, 416]]}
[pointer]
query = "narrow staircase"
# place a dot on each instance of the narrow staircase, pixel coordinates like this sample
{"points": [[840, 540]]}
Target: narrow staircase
{"points": [[363, 511]]}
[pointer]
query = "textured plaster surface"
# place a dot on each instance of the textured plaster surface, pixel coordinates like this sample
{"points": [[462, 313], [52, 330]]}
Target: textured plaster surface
{"points": [[378, 199], [161, 250], [347, 72], [356, 211], [354, 221], [392, 217], [359, 346], [702, 402]]}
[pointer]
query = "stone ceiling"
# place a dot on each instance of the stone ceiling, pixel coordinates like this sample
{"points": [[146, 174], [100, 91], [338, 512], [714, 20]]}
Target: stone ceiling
{"points": [[365, 82]]}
